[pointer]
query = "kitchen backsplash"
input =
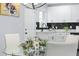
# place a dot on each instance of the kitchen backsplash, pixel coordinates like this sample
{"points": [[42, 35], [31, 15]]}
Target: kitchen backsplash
{"points": [[70, 25]]}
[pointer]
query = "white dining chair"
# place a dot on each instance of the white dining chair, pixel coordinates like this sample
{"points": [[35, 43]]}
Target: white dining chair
{"points": [[12, 44]]}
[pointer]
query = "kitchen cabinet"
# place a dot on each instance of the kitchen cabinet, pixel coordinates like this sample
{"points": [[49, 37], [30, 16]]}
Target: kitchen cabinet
{"points": [[63, 13], [54, 35], [59, 13], [75, 13]]}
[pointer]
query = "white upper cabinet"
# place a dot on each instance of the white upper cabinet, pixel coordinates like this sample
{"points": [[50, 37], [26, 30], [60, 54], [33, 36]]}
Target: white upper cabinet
{"points": [[59, 13], [75, 13], [63, 13]]}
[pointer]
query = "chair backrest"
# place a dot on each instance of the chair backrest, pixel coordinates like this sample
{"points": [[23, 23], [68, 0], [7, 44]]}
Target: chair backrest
{"points": [[12, 43]]}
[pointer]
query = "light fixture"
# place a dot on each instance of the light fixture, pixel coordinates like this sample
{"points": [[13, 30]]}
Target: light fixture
{"points": [[34, 5]]}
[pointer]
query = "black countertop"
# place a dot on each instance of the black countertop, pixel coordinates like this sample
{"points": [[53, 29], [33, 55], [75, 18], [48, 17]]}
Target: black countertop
{"points": [[74, 33]]}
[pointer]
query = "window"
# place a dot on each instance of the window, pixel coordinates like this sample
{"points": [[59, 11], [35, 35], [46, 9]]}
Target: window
{"points": [[40, 16]]}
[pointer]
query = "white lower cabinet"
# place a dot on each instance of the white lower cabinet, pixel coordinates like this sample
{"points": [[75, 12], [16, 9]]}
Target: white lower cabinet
{"points": [[52, 35]]}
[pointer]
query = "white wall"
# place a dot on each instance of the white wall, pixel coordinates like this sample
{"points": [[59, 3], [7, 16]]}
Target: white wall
{"points": [[11, 24], [31, 17], [30, 23]]}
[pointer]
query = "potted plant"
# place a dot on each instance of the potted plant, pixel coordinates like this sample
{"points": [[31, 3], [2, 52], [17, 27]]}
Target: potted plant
{"points": [[42, 46], [33, 47], [26, 46], [66, 27]]}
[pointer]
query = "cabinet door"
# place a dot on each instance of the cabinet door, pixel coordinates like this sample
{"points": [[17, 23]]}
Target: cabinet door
{"points": [[75, 13], [59, 13]]}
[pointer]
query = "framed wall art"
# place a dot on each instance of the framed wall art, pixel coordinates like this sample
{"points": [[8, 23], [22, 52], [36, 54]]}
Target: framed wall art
{"points": [[10, 9]]}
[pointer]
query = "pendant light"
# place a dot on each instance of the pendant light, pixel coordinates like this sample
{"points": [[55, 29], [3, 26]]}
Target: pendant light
{"points": [[34, 5]]}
